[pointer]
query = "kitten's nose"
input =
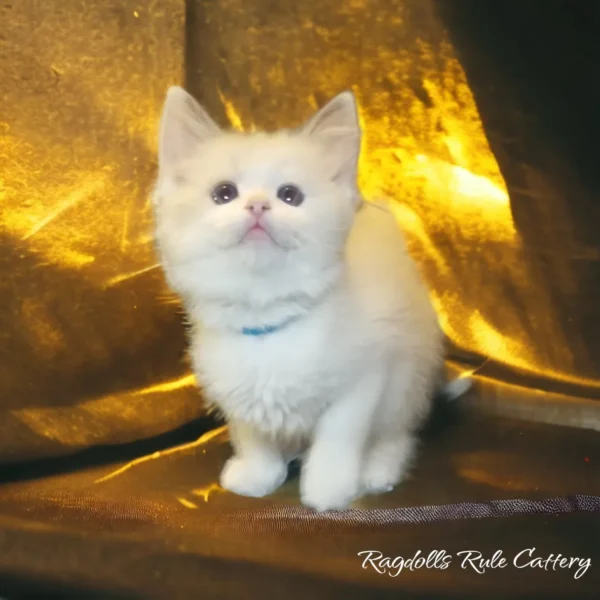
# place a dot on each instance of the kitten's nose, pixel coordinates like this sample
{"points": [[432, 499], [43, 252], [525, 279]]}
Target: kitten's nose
{"points": [[257, 206]]}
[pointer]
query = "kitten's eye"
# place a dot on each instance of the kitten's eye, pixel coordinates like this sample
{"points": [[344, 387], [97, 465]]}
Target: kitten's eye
{"points": [[224, 192], [290, 194]]}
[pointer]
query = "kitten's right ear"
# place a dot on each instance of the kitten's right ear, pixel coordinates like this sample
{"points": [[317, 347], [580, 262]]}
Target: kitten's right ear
{"points": [[184, 125], [337, 127]]}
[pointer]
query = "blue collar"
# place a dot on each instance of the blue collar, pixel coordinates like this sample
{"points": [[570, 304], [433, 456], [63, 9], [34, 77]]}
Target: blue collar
{"points": [[258, 331]]}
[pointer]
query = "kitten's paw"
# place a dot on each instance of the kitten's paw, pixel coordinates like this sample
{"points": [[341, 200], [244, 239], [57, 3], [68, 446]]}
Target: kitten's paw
{"points": [[254, 476], [378, 478], [386, 465], [328, 489]]}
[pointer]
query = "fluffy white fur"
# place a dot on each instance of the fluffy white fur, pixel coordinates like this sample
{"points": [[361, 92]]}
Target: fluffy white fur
{"points": [[350, 374]]}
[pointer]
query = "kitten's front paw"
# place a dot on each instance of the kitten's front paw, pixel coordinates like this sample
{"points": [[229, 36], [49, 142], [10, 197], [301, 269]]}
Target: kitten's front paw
{"points": [[254, 476], [328, 489]]}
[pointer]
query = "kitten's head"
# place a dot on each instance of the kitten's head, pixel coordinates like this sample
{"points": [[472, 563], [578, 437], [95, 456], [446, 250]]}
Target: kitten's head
{"points": [[232, 207]]}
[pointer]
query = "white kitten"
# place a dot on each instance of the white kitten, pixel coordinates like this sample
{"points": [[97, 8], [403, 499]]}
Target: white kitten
{"points": [[311, 329]]}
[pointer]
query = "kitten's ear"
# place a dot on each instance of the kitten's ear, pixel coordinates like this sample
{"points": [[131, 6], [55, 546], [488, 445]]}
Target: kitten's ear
{"points": [[184, 125], [336, 125]]}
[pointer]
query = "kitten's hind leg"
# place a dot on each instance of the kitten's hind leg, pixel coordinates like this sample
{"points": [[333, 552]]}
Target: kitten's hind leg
{"points": [[387, 461], [393, 439]]}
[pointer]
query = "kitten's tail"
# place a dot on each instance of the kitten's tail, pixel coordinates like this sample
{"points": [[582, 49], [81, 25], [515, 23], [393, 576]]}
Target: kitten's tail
{"points": [[456, 388]]}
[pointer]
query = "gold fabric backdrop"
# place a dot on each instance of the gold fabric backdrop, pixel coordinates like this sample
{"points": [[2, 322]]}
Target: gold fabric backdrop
{"points": [[93, 345]]}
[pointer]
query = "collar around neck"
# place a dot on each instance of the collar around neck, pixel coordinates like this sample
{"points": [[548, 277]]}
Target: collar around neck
{"points": [[267, 329]]}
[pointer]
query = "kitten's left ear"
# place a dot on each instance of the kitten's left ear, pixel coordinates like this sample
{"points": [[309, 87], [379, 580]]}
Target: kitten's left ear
{"points": [[336, 125], [184, 125]]}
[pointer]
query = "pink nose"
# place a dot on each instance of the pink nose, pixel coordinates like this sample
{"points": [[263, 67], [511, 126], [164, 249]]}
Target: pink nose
{"points": [[258, 206]]}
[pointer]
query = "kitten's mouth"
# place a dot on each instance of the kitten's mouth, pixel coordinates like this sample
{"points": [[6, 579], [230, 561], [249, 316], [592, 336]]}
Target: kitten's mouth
{"points": [[258, 231]]}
